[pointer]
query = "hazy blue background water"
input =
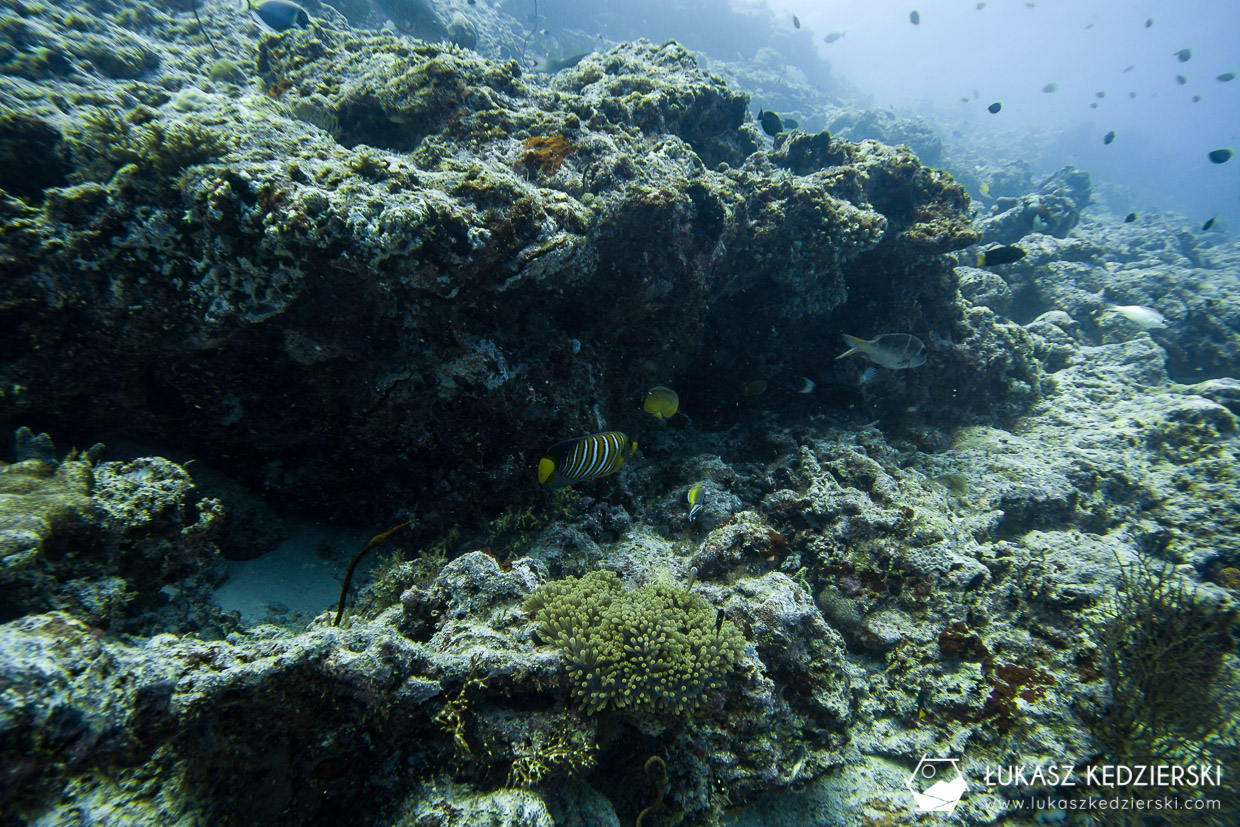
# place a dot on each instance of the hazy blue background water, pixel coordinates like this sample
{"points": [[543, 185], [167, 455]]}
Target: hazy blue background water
{"points": [[1009, 52], [1006, 52]]}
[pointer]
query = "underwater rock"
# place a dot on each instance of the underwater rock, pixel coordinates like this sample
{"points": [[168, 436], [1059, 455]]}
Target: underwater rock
{"points": [[1058, 336], [474, 583], [101, 540], [1053, 210], [462, 32], [30, 163], [116, 702], [744, 539], [876, 124], [687, 102], [1071, 183], [1016, 218], [415, 17], [478, 690], [1164, 266], [42, 502], [803, 153], [481, 193], [458, 806], [1225, 392], [984, 288]]}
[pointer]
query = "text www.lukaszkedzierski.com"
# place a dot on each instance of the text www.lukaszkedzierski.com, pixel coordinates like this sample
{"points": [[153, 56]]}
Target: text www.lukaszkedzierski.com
{"points": [[1166, 803]]}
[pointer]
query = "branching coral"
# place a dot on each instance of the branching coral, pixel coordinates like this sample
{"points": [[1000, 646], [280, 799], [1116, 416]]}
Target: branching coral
{"points": [[656, 650], [1175, 694], [452, 718], [563, 749]]}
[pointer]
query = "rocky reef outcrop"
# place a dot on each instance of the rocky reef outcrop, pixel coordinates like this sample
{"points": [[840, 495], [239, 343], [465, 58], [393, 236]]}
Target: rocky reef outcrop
{"points": [[115, 544], [368, 254], [376, 276], [295, 721]]}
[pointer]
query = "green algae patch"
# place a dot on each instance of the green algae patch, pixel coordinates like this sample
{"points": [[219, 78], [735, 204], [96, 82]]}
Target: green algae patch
{"points": [[40, 500], [159, 147]]}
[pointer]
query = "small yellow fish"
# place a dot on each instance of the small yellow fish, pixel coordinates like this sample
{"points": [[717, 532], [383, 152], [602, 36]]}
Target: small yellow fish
{"points": [[984, 189], [697, 499], [661, 402]]}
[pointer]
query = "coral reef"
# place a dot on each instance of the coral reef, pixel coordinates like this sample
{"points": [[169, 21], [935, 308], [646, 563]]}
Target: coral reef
{"points": [[657, 650], [394, 203], [473, 696], [104, 540], [371, 277]]}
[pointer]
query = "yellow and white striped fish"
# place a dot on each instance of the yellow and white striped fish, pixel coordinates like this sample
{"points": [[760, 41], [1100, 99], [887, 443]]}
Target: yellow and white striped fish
{"points": [[585, 458], [696, 498]]}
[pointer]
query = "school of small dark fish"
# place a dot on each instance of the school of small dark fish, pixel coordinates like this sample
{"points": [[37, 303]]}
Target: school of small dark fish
{"points": [[1182, 55]]}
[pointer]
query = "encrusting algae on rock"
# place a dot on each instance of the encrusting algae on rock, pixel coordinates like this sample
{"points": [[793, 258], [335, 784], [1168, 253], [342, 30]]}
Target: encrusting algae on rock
{"points": [[545, 153]]}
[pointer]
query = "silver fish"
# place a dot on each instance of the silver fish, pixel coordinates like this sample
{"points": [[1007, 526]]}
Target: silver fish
{"points": [[1146, 318], [891, 350]]}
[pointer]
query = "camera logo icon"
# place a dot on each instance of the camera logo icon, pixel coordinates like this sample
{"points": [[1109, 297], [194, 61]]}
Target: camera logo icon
{"points": [[937, 784]]}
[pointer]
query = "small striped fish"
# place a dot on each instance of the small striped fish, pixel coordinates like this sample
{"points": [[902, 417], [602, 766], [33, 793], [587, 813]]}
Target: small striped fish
{"points": [[585, 458], [697, 499]]}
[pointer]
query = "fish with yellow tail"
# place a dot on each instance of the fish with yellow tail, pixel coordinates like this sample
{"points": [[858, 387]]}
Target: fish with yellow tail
{"points": [[697, 499], [893, 351], [661, 403], [585, 458], [999, 255]]}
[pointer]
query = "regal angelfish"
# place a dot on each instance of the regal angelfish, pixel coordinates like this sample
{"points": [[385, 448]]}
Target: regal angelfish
{"points": [[585, 458]]}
